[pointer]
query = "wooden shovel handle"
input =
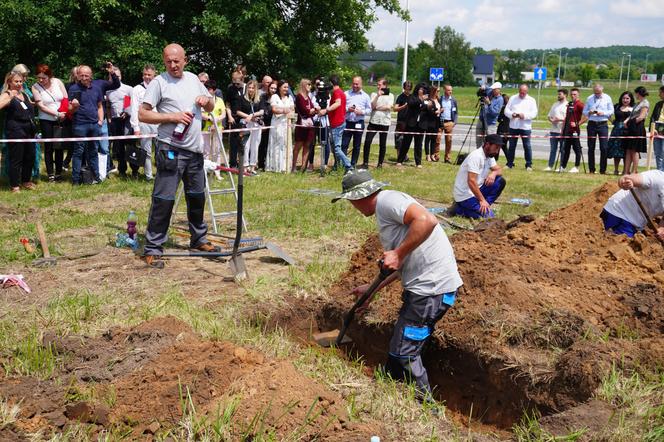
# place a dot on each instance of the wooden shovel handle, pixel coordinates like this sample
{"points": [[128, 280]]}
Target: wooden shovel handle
{"points": [[649, 220], [42, 240]]}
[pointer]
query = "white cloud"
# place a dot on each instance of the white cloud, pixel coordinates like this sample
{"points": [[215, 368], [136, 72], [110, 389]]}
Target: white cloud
{"points": [[638, 8]]}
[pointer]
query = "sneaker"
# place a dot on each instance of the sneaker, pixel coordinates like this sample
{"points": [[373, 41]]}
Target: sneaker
{"points": [[51, 178], [153, 261], [547, 169], [419, 166], [364, 167], [206, 247], [114, 170], [529, 169], [574, 170], [560, 169]]}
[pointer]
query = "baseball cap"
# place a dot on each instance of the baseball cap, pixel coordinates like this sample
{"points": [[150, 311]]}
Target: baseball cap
{"points": [[494, 139], [496, 85], [358, 184]]}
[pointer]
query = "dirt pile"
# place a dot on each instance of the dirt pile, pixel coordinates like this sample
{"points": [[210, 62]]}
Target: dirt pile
{"points": [[143, 381], [547, 307]]}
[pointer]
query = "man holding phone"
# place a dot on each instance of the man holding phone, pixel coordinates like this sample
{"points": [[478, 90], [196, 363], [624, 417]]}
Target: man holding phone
{"points": [[597, 111], [358, 105]]}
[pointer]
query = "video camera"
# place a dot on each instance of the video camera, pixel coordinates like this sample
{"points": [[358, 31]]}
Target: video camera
{"points": [[322, 92], [484, 91]]}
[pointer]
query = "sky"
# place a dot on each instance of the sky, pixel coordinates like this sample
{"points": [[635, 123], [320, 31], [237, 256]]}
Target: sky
{"points": [[539, 24]]}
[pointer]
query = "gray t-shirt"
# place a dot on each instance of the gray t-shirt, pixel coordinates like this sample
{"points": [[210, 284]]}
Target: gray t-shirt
{"points": [[431, 268], [167, 94]]}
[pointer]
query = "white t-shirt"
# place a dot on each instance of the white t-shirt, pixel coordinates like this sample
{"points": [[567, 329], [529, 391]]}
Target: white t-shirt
{"points": [[431, 268], [382, 117], [167, 94], [476, 162], [651, 194], [558, 111], [51, 98]]}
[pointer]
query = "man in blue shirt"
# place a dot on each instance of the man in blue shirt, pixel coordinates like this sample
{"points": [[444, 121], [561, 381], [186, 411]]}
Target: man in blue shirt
{"points": [[490, 108], [358, 104], [448, 119], [596, 112], [88, 117]]}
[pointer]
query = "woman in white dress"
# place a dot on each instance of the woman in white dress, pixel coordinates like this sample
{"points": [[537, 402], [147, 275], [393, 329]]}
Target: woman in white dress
{"points": [[282, 105], [253, 118]]}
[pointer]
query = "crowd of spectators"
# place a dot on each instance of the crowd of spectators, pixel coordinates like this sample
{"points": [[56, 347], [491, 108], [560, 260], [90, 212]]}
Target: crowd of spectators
{"points": [[320, 111]]}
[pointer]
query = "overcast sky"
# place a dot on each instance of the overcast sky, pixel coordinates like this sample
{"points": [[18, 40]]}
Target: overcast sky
{"points": [[512, 24]]}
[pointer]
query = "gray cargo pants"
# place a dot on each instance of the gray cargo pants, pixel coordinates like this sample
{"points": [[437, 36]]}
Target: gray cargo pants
{"points": [[173, 165], [417, 319]]}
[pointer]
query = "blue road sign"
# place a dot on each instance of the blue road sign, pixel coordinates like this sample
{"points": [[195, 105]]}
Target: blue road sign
{"points": [[436, 74], [539, 74]]}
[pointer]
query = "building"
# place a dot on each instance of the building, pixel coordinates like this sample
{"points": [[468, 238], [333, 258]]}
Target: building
{"points": [[483, 69]]}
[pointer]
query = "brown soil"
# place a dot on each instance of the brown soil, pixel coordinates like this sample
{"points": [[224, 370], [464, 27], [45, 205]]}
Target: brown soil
{"points": [[149, 369], [547, 307]]}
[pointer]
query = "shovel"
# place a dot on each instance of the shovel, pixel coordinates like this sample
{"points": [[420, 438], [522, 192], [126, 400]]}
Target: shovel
{"points": [[47, 260], [236, 262], [336, 337], [649, 220]]}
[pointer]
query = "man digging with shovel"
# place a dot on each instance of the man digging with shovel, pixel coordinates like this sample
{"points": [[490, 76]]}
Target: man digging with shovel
{"points": [[419, 253]]}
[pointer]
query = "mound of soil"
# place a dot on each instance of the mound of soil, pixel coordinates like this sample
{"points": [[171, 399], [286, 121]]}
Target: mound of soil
{"points": [[142, 379], [547, 307]]}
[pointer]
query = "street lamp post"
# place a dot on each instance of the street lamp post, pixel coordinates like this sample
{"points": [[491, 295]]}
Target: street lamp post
{"points": [[565, 69], [622, 60], [629, 64], [404, 76], [560, 62]]}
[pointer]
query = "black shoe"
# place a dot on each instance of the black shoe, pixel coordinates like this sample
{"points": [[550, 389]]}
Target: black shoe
{"points": [[153, 261], [51, 178], [364, 166]]}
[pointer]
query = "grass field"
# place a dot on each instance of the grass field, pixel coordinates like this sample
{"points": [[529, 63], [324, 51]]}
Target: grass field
{"points": [[276, 208]]}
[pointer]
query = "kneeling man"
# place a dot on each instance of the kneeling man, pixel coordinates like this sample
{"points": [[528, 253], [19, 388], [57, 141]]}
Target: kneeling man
{"points": [[622, 214], [418, 250], [479, 181]]}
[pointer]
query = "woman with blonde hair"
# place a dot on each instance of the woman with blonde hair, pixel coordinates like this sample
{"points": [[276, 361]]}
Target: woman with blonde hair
{"points": [[304, 127], [23, 70], [19, 123], [252, 116]]}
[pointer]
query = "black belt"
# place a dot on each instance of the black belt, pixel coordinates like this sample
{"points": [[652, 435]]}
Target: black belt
{"points": [[598, 123], [448, 121]]}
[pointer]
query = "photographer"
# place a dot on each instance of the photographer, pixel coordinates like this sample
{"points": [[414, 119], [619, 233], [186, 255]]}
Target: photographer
{"points": [[381, 116], [416, 103], [401, 108], [320, 96], [234, 96], [491, 102], [572, 132]]}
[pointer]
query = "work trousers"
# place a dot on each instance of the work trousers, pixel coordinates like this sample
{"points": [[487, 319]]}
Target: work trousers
{"points": [[470, 207], [598, 129], [175, 165], [417, 319], [381, 130], [446, 128]]}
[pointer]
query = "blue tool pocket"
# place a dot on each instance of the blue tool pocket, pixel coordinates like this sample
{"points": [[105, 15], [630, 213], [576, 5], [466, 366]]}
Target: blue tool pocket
{"points": [[449, 298], [416, 333]]}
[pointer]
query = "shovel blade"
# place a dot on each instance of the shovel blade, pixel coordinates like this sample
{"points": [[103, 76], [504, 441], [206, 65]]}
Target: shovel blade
{"points": [[238, 268], [328, 339], [280, 253]]}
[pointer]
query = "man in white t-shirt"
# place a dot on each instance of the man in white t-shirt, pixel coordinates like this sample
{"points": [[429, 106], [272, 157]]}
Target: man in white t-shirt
{"points": [[622, 214], [174, 100], [479, 181], [420, 254], [139, 128], [556, 117]]}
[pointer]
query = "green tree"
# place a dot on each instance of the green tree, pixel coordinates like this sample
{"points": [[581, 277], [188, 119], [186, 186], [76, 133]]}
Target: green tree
{"points": [[455, 55], [658, 68], [510, 66], [586, 72], [286, 38]]}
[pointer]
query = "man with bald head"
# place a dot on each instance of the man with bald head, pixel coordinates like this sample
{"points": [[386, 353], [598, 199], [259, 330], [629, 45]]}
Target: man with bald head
{"points": [[521, 111], [85, 103], [174, 100], [265, 85], [596, 112], [358, 105]]}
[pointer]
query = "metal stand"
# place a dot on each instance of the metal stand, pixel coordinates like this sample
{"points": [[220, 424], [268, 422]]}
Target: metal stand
{"points": [[472, 124]]}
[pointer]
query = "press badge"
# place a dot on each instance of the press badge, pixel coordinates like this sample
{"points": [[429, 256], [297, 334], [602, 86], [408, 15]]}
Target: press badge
{"points": [[23, 105], [454, 109], [358, 125]]}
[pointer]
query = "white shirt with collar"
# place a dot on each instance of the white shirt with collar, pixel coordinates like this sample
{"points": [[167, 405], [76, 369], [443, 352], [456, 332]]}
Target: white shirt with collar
{"points": [[526, 106]]}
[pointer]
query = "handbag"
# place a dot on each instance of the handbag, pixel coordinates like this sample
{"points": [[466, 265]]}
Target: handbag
{"points": [[307, 122]]}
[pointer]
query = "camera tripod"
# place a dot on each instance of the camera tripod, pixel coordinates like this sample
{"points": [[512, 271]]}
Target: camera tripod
{"points": [[480, 107], [323, 127], [565, 147]]}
